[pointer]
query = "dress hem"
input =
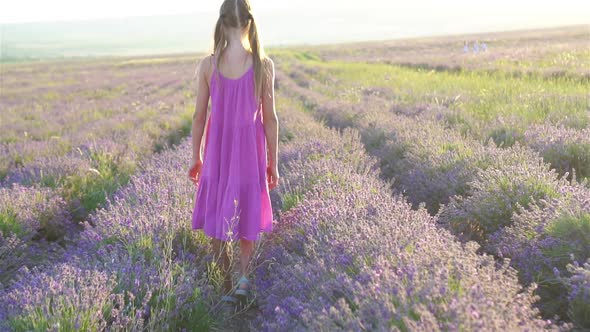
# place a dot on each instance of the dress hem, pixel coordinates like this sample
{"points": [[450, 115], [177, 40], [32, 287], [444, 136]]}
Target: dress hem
{"points": [[238, 237]]}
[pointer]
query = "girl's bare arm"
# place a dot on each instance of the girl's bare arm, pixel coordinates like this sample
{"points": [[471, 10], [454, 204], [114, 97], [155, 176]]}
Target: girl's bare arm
{"points": [[202, 101], [271, 122]]}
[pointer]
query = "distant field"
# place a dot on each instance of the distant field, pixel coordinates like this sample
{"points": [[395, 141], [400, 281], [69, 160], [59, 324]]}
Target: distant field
{"points": [[546, 52], [410, 171], [90, 39]]}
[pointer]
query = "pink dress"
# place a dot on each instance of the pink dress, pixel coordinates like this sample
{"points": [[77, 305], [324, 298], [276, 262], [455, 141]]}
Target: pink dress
{"points": [[231, 199]]}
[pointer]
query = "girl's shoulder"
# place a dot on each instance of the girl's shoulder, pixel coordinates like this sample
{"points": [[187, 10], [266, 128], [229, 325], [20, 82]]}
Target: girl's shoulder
{"points": [[267, 62], [268, 66], [209, 60], [205, 64]]}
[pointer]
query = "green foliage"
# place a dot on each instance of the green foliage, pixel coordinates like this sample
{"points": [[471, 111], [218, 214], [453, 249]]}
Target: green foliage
{"points": [[9, 223], [455, 285], [292, 199], [505, 136], [93, 187], [62, 320], [574, 155], [195, 316], [142, 249], [181, 127], [494, 210], [307, 56], [574, 233]]}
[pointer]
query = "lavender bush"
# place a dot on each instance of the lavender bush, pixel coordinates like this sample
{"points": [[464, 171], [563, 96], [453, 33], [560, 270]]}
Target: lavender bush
{"points": [[498, 191], [34, 225], [141, 241], [479, 185], [566, 149], [25, 211], [350, 256], [426, 161], [543, 241], [64, 298], [579, 293]]}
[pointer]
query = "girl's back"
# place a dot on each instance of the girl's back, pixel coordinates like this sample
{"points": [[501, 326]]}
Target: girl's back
{"points": [[233, 92], [233, 63]]}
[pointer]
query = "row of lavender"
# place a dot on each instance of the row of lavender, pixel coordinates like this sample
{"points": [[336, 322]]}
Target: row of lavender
{"points": [[561, 138], [508, 199], [349, 256], [136, 265], [72, 136], [62, 110], [565, 145]]}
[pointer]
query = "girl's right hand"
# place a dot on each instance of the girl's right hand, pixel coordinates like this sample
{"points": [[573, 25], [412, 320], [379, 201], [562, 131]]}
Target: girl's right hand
{"points": [[272, 176], [194, 171]]}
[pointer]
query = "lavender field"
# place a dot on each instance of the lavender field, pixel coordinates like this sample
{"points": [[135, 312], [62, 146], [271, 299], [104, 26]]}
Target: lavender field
{"points": [[424, 189]]}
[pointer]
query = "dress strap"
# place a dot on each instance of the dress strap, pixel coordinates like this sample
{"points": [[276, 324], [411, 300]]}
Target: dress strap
{"points": [[214, 62], [216, 75]]}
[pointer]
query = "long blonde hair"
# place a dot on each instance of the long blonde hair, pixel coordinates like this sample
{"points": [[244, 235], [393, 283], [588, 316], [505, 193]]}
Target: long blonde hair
{"points": [[238, 14]]}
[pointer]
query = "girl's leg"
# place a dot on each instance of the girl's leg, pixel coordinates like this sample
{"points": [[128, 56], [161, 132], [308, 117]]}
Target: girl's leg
{"points": [[222, 259], [246, 249]]}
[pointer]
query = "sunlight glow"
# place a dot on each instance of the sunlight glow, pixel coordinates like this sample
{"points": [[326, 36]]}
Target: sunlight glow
{"points": [[534, 12]]}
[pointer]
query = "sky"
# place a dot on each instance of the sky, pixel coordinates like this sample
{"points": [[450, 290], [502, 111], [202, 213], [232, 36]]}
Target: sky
{"points": [[534, 12]]}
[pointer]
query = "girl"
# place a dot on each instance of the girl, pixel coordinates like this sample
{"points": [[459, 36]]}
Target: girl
{"points": [[233, 179]]}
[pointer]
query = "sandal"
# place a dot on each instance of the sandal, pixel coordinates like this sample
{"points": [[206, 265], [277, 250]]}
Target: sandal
{"points": [[243, 293]]}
